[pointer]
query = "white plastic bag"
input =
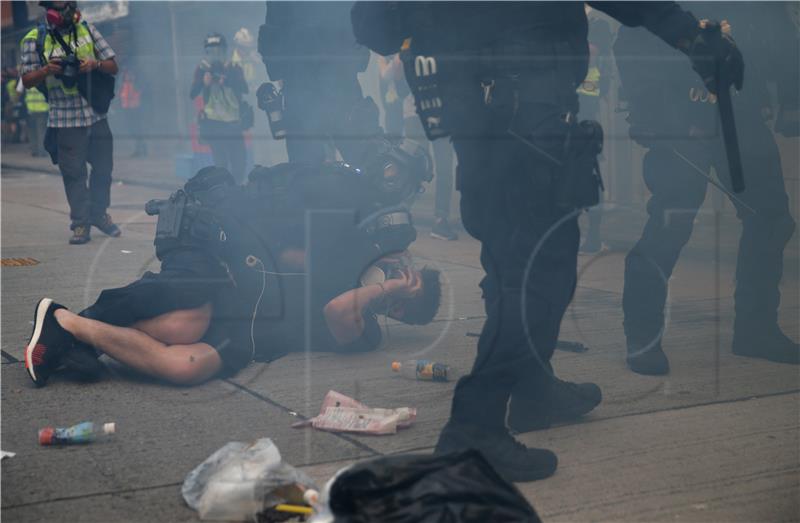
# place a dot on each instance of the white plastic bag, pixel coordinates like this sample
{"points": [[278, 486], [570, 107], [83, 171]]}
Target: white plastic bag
{"points": [[239, 480]]}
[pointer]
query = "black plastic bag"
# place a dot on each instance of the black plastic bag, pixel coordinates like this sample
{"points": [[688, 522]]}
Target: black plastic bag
{"points": [[451, 488]]}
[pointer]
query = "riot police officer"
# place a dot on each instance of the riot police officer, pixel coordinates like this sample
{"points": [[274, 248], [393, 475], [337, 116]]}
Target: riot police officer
{"points": [[501, 79], [310, 54], [681, 135]]}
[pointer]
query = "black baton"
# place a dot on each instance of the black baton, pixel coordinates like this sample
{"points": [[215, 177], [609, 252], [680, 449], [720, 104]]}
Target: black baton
{"points": [[728, 124]]}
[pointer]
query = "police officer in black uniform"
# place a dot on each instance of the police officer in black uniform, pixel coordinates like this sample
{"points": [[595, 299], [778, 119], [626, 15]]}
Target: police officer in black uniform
{"points": [[501, 79], [681, 134], [309, 50]]}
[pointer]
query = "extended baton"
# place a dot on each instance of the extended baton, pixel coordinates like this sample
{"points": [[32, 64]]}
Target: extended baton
{"points": [[728, 124]]}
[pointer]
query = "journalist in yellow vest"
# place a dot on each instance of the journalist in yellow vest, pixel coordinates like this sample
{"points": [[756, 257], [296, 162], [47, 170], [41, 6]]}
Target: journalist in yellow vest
{"points": [[76, 134]]}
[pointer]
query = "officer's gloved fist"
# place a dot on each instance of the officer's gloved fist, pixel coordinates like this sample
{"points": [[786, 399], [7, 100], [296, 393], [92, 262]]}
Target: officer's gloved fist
{"points": [[787, 122], [715, 57]]}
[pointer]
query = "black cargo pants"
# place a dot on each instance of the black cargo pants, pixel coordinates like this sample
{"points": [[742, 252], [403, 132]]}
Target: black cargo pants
{"points": [[677, 194], [529, 246], [76, 147]]}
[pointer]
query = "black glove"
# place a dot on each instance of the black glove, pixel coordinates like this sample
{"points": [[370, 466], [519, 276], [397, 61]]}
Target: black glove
{"points": [[716, 58]]}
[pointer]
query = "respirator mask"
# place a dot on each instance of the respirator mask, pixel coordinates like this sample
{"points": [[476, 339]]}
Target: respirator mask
{"points": [[63, 16], [387, 268]]}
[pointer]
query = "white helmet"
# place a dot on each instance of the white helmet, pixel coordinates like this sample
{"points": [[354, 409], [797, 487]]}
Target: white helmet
{"points": [[243, 38]]}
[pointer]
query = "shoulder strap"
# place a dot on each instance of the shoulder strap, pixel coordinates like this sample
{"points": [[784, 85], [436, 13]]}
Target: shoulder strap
{"points": [[67, 49], [41, 34], [85, 24]]}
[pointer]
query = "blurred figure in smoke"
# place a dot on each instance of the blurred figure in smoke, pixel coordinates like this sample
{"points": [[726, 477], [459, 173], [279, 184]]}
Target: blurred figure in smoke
{"points": [[393, 88], [675, 117], [309, 51], [130, 102], [220, 123], [245, 56], [443, 161], [13, 106], [591, 91]]}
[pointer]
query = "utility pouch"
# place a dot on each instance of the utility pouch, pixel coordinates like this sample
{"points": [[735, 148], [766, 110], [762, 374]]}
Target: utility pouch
{"points": [[170, 220], [580, 182], [424, 80]]}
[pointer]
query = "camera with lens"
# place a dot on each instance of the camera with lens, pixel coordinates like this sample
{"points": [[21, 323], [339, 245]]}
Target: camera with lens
{"points": [[70, 67], [270, 100]]}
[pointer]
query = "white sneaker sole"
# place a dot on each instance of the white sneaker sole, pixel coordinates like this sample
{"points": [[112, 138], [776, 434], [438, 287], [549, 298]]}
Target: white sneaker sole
{"points": [[41, 312]]}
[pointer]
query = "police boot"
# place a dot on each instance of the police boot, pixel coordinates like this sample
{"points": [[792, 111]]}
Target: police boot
{"points": [[537, 407], [766, 342], [647, 358], [510, 458]]}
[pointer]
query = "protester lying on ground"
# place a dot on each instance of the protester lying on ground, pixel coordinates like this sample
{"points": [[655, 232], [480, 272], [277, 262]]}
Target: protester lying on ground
{"points": [[238, 283]]}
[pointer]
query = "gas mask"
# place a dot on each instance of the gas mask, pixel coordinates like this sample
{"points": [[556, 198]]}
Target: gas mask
{"points": [[64, 16]]}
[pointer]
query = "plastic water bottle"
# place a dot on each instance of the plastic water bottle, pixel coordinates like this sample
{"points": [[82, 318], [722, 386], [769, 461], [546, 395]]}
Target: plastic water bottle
{"points": [[85, 432], [424, 370]]}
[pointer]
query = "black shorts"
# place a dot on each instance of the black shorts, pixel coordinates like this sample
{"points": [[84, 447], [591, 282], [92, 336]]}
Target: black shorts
{"points": [[188, 279]]}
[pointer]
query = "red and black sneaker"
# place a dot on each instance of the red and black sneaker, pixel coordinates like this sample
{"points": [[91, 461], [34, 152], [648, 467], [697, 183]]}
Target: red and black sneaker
{"points": [[48, 342]]}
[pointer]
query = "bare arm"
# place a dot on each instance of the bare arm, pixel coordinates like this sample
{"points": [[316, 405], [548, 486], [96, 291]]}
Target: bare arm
{"points": [[345, 313]]}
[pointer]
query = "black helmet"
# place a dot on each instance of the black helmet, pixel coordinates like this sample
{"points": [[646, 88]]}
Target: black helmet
{"points": [[215, 40]]}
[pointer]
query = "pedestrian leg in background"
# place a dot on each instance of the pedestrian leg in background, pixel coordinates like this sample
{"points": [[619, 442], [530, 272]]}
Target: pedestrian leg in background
{"points": [[677, 194], [134, 117], [237, 155], [73, 146], [765, 233], [592, 243], [443, 162], [37, 126], [101, 158]]}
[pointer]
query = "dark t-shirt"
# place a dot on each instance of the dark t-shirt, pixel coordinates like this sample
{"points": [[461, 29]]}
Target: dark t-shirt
{"points": [[288, 316]]}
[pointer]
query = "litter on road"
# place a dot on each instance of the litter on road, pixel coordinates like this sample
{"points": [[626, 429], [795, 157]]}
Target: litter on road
{"points": [[340, 413], [246, 482]]}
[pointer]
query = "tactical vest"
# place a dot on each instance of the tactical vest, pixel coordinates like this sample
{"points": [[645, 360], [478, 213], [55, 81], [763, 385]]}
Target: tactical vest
{"points": [[35, 101], [80, 41]]}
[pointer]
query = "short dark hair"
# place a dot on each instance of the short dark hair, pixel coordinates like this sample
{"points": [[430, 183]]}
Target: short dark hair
{"points": [[421, 309]]}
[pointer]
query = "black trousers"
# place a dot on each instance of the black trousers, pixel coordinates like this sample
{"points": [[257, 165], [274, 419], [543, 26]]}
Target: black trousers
{"points": [[76, 147], [227, 146], [328, 111], [528, 246], [677, 194]]}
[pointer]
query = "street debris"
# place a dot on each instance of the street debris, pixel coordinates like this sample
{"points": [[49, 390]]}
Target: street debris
{"points": [[424, 370], [124, 251], [571, 346], [5, 454], [247, 482], [340, 413], [81, 433], [422, 488]]}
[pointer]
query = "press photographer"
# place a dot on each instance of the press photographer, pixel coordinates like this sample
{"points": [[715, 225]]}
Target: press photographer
{"points": [[65, 59], [225, 115]]}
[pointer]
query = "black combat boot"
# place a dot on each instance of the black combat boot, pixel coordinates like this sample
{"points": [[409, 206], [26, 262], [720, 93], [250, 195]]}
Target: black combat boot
{"points": [[648, 359], [560, 401], [510, 458], [768, 343]]}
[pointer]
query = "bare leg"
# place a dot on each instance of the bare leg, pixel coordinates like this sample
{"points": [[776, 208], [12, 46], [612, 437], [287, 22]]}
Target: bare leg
{"points": [[184, 364]]}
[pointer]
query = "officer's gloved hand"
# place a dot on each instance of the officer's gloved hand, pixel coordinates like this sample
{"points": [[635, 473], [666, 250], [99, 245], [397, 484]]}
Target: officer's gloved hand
{"points": [[715, 57], [787, 122]]}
